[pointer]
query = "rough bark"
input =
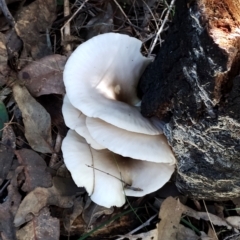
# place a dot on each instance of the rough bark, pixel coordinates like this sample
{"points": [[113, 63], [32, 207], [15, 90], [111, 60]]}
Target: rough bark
{"points": [[194, 85]]}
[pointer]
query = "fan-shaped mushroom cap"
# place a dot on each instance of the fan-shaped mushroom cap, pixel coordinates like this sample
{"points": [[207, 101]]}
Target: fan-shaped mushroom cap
{"points": [[101, 77], [148, 176], [130, 144], [76, 120], [105, 174]]}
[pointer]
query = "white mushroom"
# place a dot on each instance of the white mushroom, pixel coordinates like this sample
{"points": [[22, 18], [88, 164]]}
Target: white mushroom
{"points": [[76, 120], [108, 177], [102, 106], [153, 148], [101, 77]]}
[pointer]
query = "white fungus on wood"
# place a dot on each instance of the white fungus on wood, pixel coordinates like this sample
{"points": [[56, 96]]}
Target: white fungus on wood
{"points": [[111, 149]]}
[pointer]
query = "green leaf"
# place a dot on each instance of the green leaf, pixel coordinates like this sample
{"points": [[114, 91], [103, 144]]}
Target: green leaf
{"points": [[3, 117]]}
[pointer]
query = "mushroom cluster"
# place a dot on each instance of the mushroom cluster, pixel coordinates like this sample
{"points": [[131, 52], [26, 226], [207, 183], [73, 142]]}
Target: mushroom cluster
{"points": [[111, 149]]}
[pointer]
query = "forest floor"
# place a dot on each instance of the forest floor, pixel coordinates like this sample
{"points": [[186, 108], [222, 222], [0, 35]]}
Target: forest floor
{"points": [[36, 189]]}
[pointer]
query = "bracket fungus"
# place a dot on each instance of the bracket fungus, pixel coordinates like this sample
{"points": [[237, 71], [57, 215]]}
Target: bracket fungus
{"points": [[111, 149]]}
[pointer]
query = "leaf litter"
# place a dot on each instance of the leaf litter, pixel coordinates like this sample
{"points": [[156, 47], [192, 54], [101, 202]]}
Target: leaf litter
{"points": [[36, 190]]}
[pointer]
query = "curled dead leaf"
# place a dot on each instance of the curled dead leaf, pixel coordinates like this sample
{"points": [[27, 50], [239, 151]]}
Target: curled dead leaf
{"points": [[37, 200]]}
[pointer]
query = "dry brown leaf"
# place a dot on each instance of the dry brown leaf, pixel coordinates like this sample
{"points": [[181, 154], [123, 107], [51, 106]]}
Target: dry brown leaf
{"points": [[37, 121], [66, 186], [7, 230], [170, 215], [92, 212], [37, 200], [34, 169], [7, 211], [211, 234], [55, 111], [4, 69], [6, 152], [76, 211], [185, 233], [32, 24], [44, 76], [206, 216], [42, 227]]}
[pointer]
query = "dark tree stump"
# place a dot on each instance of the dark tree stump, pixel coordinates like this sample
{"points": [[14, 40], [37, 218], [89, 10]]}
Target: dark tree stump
{"points": [[194, 84]]}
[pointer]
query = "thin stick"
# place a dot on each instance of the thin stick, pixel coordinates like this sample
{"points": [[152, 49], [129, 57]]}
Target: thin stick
{"points": [[4, 187], [126, 185], [161, 28], [147, 223], [210, 219], [151, 13], [70, 19], [128, 20], [67, 31], [54, 157]]}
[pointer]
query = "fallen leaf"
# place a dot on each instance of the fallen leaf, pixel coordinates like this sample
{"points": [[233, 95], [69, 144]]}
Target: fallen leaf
{"points": [[76, 211], [32, 23], [42, 227], [185, 233], [37, 121], [37, 200], [4, 69], [14, 46], [55, 111], [7, 230], [92, 212], [44, 76], [66, 186], [219, 210], [234, 221], [211, 234], [34, 169], [7, 211], [170, 215], [6, 152], [206, 216]]}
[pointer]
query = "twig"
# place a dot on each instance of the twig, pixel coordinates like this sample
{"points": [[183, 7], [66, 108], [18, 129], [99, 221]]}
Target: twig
{"points": [[70, 19], [162, 27], [7, 13], [126, 185], [4, 187], [210, 219], [147, 223], [57, 148], [151, 13], [67, 31], [128, 20]]}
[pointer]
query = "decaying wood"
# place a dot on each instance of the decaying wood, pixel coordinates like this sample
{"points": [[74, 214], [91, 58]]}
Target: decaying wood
{"points": [[194, 85]]}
